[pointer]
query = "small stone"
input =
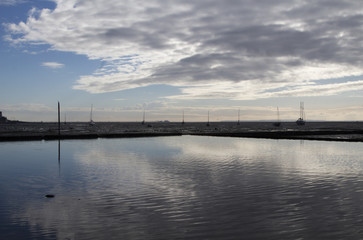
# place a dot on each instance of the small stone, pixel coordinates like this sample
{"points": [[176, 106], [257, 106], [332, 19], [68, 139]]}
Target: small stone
{"points": [[50, 196]]}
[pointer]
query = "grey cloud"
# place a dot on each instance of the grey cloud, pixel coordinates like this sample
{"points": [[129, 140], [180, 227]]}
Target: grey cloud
{"points": [[184, 43], [315, 10], [118, 35], [316, 43], [347, 22], [199, 68], [229, 67], [261, 40]]}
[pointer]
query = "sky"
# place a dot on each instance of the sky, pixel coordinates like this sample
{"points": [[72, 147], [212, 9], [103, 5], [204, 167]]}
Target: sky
{"points": [[166, 57]]}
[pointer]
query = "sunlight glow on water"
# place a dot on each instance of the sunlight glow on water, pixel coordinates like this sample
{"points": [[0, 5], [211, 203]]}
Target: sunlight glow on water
{"points": [[184, 187]]}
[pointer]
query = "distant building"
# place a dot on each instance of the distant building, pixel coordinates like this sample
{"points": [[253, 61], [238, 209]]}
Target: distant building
{"points": [[2, 119]]}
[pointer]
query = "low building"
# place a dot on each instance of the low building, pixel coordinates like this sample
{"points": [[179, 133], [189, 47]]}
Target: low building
{"points": [[2, 118]]}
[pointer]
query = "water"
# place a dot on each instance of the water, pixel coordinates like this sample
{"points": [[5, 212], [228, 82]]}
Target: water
{"points": [[184, 187]]}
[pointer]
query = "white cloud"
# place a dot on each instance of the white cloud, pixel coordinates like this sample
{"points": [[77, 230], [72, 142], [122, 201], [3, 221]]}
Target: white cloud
{"points": [[53, 65], [209, 48]]}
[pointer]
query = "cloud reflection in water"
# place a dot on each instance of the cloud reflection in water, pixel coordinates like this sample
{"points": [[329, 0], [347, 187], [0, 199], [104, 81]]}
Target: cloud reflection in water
{"points": [[202, 187]]}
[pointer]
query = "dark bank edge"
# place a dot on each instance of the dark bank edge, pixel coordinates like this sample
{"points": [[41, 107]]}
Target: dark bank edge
{"points": [[82, 136], [339, 135]]}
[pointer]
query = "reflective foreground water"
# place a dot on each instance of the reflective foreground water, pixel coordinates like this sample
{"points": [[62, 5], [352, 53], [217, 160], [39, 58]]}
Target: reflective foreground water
{"points": [[181, 188]]}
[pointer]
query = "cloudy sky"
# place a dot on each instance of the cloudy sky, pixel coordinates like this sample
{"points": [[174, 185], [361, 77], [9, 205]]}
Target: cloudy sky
{"points": [[170, 56]]}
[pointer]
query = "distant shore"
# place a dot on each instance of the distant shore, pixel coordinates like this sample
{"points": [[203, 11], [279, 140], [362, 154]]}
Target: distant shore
{"points": [[327, 131]]}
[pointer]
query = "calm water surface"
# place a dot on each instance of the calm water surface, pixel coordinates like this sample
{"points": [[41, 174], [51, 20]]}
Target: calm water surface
{"points": [[184, 187]]}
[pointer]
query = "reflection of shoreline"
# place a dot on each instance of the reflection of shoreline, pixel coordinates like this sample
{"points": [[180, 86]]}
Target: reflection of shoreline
{"points": [[327, 131]]}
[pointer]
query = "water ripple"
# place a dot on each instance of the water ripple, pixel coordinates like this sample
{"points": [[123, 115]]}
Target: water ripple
{"points": [[187, 188]]}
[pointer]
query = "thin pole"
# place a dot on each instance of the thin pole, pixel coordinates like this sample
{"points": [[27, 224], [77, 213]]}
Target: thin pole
{"points": [[58, 119]]}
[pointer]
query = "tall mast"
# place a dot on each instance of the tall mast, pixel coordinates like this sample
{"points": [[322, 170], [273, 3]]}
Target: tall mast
{"points": [[238, 116], [91, 122], [301, 120], [208, 119], [278, 114], [143, 118], [183, 117], [277, 123], [302, 114], [90, 116]]}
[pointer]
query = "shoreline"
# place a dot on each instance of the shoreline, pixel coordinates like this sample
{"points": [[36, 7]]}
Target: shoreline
{"points": [[341, 136], [323, 131], [35, 137]]}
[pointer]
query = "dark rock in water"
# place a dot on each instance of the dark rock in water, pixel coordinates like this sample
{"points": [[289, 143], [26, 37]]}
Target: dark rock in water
{"points": [[50, 196]]}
